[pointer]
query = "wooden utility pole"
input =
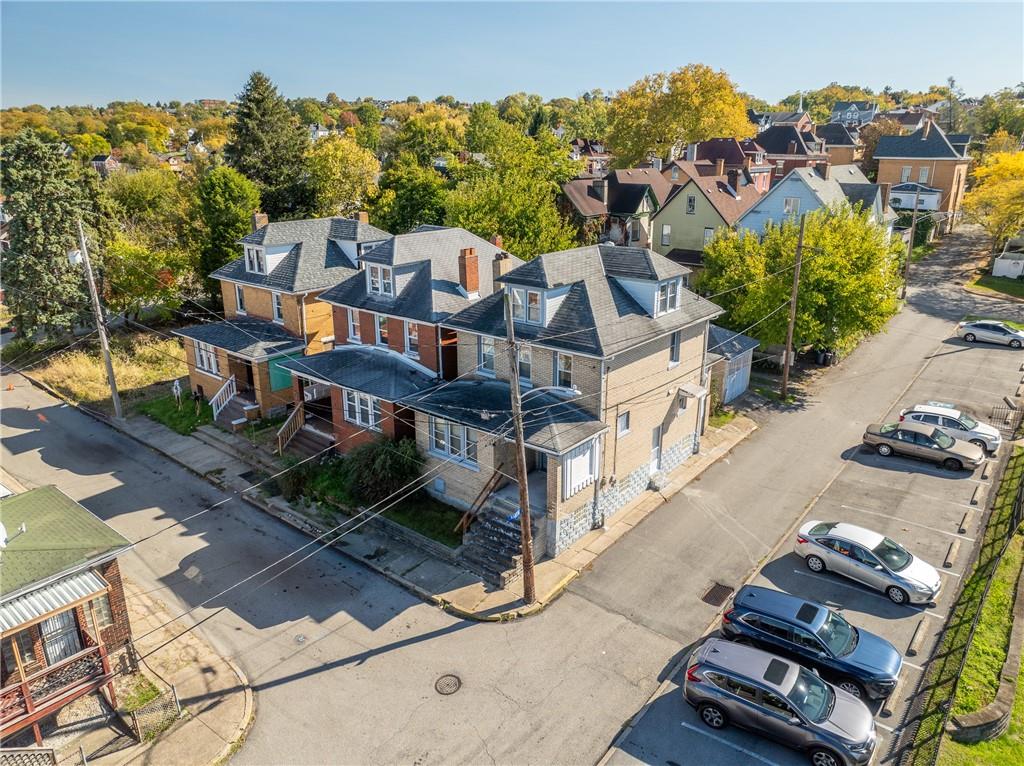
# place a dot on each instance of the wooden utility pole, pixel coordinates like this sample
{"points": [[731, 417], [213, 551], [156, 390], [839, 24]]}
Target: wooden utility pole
{"points": [[910, 247], [792, 309], [101, 325], [525, 533]]}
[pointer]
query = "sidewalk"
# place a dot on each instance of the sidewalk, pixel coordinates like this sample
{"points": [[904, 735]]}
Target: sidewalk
{"points": [[432, 579]]}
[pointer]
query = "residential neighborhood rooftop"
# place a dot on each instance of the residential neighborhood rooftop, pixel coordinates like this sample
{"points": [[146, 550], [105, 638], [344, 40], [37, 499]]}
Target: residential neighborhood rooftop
{"points": [[375, 371], [927, 142], [248, 336]]}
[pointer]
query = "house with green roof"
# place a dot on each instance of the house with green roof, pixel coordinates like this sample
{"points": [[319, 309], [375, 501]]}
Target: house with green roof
{"points": [[62, 607]]}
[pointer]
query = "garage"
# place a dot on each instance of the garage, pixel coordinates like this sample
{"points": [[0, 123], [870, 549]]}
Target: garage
{"points": [[730, 374]]}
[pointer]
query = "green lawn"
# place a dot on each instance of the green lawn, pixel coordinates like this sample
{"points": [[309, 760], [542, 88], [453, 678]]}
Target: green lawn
{"points": [[184, 420], [719, 419], [141, 692], [430, 517], [921, 252], [1002, 285]]}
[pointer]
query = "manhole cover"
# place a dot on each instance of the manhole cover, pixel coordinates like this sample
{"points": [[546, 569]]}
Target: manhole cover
{"points": [[717, 594], [448, 684]]}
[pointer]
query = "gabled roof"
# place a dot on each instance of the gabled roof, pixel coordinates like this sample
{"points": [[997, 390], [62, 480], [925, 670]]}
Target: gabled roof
{"points": [[927, 142], [845, 184], [425, 264], [733, 151], [728, 202], [776, 140], [626, 189], [246, 336], [551, 422], [835, 134], [597, 316], [861, 106], [905, 118], [315, 260], [60, 537], [378, 372]]}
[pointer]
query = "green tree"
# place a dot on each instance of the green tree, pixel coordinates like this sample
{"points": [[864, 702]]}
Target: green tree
{"points": [[368, 130], [342, 175], [431, 131], [88, 145], [587, 117], [848, 280], [663, 112], [1002, 110], [45, 198], [137, 275], [869, 136], [268, 146], [308, 110], [226, 201], [410, 195]]}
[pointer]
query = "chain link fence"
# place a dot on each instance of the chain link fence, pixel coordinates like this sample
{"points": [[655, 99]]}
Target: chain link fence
{"points": [[148, 721], [27, 756]]}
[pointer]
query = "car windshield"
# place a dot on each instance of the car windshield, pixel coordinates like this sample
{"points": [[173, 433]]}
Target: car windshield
{"points": [[811, 696], [888, 428], [839, 636], [968, 421], [943, 440], [892, 554]]}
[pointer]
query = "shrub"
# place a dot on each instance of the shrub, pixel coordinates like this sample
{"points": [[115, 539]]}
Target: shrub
{"points": [[292, 482], [381, 468]]}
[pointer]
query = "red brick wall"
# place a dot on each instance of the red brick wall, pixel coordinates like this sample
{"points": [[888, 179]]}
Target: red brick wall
{"points": [[428, 347], [396, 335], [340, 318], [120, 633], [367, 327]]}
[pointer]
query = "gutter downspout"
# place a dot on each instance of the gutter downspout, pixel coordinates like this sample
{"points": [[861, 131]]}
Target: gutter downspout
{"points": [[702, 404], [597, 515]]}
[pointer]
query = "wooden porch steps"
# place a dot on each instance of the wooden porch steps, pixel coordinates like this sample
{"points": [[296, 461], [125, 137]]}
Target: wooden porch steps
{"points": [[308, 442]]}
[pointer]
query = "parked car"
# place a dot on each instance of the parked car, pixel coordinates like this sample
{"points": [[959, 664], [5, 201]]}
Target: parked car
{"points": [[869, 558], [955, 423], [990, 331], [779, 699], [925, 442], [858, 662]]}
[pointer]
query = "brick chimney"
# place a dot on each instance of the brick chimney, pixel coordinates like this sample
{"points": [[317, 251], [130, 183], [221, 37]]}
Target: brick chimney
{"points": [[791, 149], [259, 220], [601, 189], [363, 217], [886, 188], [501, 265], [825, 170], [469, 271], [720, 167], [497, 241], [734, 181]]}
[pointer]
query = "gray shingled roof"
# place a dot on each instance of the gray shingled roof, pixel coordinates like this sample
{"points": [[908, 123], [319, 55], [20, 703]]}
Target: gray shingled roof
{"points": [[246, 336], [835, 134], [314, 262], [375, 371], [426, 274], [777, 138], [550, 422], [597, 316], [921, 145], [729, 344]]}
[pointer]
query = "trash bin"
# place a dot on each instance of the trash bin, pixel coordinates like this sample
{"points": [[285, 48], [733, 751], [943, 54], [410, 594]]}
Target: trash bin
{"points": [[819, 356]]}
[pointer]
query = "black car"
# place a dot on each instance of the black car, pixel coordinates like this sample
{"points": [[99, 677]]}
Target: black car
{"points": [[857, 661]]}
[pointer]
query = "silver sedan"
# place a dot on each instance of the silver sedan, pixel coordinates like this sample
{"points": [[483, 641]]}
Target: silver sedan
{"points": [[990, 331]]}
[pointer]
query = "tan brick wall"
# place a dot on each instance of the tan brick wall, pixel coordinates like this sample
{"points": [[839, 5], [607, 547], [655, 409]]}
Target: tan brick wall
{"points": [[843, 155], [210, 383], [319, 323], [948, 175]]}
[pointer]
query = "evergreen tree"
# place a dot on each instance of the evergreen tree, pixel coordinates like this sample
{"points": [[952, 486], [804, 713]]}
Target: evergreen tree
{"points": [[45, 197], [226, 201], [268, 146]]}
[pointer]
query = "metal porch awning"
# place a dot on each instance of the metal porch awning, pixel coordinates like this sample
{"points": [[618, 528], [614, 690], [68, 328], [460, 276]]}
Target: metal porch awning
{"points": [[39, 603]]}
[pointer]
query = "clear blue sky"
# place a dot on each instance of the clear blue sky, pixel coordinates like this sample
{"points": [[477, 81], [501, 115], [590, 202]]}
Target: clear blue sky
{"points": [[82, 52]]}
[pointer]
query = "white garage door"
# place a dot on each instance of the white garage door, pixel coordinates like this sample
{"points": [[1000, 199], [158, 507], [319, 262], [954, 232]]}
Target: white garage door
{"points": [[737, 376]]}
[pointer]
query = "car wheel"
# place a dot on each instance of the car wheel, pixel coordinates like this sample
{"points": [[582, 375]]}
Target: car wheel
{"points": [[970, 337], [896, 595], [1014, 343], [884, 450], [979, 443], [850, 686], [713, 716], [815, 563], [821, 757], [952, 464]]}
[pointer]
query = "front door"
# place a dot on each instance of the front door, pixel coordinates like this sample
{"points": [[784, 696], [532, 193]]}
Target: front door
{"points": [[250, 383], [656, 450], [60, 637]]}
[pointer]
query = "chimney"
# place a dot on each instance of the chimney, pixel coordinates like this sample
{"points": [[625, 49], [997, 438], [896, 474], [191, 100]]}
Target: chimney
{"points": [[792, 148], [886, 188], [469, 271], [501, 265], [926, 129], [363, 217], [497, 241], [720, 167], [825, 170], [259, 220], [601, 189], [734, 181]]}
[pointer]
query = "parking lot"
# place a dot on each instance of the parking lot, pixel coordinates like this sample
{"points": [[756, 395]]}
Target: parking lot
{"points": [[926, 508]]}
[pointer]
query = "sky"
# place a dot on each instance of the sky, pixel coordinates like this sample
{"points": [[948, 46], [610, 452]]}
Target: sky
{"points": [[92, 53]]}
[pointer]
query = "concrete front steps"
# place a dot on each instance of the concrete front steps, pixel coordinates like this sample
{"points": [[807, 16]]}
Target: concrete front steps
{"points": [[236, 413], [492, 547]]}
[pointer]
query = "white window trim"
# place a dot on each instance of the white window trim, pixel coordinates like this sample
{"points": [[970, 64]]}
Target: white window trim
{"points": [[360, 403], [255, 260], [352, 319], [709, 234], [572, 485], [675, 348], [385, 283], [670, 306], [461, 455], [922, 175], [239, 300], [559, 369], [619, 430], [790, 205], [206, 358], [526, 380], [524, 295], [905, 173], [481, 340], [408, 346], [277, 307], [382, 342], [666, 234]]}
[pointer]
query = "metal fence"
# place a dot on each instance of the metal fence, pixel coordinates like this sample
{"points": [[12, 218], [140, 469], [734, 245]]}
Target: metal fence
{"points": [[27, 756], [156, 715], [1007, 420], [933, 705]]}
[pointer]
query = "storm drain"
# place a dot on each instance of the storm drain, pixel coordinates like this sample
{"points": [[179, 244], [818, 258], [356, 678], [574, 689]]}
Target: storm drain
{"points": [[717, 594], [448, 684]]}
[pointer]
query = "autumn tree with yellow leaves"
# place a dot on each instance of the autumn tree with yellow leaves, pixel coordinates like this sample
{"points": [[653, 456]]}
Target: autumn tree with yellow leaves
{"points": [[997, 200]]}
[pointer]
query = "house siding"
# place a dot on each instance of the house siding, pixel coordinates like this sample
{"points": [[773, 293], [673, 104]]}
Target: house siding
{"points": [[396, 423], [687, 230], [210, 384], [948, 175], [771, 207]]}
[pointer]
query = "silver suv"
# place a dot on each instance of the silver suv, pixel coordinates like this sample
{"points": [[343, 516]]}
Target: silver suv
{"points": [[779, 699]]}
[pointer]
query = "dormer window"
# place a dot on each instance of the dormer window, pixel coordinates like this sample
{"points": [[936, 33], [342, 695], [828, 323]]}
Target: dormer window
{"points": [[255, 261], [668, 297], [526, 305], [380, 280]]}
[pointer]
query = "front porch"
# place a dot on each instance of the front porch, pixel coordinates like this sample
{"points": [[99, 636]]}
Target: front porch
{"points": [[537, 487]]}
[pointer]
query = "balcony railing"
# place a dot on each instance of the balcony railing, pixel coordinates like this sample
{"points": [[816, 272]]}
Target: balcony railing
{"points": [[40, 694]]}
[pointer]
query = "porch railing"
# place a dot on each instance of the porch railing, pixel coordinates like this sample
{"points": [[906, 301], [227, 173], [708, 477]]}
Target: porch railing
{"points": [[44, 692], [226, 394], [291, 426]]}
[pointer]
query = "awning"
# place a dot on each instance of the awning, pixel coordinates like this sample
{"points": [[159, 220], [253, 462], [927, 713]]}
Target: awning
{"points": [[692, 390], [64, 592]]}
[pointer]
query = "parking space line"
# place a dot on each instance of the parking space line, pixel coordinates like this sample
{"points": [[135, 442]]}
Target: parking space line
{"points": [[912, 665], [907, 521], [705, 731], [889, 729], [864, 589], [947, 573]]}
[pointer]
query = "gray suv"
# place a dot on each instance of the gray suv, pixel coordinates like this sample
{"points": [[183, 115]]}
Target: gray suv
{"points": [[779, 699]]}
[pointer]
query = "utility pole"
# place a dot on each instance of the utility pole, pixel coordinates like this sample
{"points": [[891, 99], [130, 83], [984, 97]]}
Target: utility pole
{"points": [[910, 247], [101, 326], [525, 533], [792, 308]]}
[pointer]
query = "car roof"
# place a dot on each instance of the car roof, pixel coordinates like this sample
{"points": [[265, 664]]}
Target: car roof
{"points": [[851, 532], [757, 665], [775, 603], [920, 428], [932, 409]]}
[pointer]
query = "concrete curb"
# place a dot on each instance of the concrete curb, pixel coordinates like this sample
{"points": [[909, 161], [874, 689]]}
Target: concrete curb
{"points": [[248, 715], [996, 296]]}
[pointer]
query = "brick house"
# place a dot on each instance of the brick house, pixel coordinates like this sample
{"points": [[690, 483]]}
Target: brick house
{"points": [[928, 157], [389, 342], [721, 156], [611, 363], [271, 312], [840, 143], [617, 206], [62, 609], [593, 153], [788, 147]]}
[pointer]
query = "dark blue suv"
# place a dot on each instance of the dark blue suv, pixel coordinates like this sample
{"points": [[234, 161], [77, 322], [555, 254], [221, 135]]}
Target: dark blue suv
{"points": [[858, 662]]}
